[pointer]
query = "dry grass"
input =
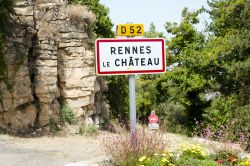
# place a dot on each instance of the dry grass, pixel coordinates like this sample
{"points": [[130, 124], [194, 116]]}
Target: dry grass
{"points": [[79, 14], [126, 149]]}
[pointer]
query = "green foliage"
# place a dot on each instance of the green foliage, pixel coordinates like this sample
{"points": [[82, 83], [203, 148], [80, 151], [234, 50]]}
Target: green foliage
{"points": [[6, 8], [103, 24], [207, 65], [231, 121], [89, 130], [67, 115], [185, 84], [152, 33], [226, 158], [53, 126], [216, 64], [145, 97], [186, 160], [118, 97], [146, 86], [221, 111], [173, 117], [229, 15], [228, 54], [185, 34]]}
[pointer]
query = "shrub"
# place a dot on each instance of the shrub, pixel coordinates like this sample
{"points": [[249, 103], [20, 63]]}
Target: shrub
{"points": [[173, 117], [224, 134], [89, 129], [227, 120], [67, 115], [127, 149]]}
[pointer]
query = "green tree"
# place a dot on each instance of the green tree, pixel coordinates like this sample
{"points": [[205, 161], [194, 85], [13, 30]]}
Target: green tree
{"points": [[118, 97], [217, 64], [229, 65], [146, 85], [151, 33], [185, 84]]}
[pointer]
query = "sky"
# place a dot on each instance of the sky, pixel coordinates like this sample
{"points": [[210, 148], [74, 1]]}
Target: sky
{"points": [[147, 11]]}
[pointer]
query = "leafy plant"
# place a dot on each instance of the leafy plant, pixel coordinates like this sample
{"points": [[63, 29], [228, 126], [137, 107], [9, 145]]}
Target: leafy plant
{"points": [[89, 130], [6, 8], [173, 117], [118, 98], [67, 115], [186, 160]]}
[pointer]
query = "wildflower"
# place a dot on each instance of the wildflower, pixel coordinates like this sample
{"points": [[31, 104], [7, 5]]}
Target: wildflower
{"points": [[245, 163], [232, 159], [219, 162], [164, 160], [165, 151], [142, 158], [171, 154], [164, 154]]}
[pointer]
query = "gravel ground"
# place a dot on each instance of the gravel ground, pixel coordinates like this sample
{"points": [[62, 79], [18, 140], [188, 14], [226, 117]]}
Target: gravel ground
{"points": [[50, 151], [73, 150]]}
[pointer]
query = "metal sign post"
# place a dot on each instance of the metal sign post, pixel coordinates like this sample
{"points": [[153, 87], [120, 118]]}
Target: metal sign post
{"points": [[130, 56], [131, 78], [132, 104]]}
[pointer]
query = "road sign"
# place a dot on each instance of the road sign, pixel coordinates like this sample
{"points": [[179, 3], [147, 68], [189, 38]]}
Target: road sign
{"points": [[130, 30], [153, 126], [130, 56], [153, 118]]}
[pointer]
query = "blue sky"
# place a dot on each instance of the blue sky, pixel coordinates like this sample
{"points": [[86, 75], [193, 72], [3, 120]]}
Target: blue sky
{"points": [[147, 11]]}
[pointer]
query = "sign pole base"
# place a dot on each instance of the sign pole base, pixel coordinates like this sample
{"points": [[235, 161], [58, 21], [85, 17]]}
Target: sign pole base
{"points": [[132, 104]]}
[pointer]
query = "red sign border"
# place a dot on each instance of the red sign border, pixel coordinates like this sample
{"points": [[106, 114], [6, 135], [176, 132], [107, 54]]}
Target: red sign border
{"points": [[98, 41]]}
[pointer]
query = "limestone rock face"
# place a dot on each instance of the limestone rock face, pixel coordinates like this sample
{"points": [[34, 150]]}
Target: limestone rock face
{"points": [[49, 62]]}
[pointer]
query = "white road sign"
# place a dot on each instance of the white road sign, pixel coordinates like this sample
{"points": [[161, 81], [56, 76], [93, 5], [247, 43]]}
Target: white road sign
{"points": [[130, 56]]}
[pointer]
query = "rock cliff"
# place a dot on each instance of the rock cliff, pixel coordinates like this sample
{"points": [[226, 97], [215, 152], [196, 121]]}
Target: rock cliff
{"points": [[49, 56]]}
